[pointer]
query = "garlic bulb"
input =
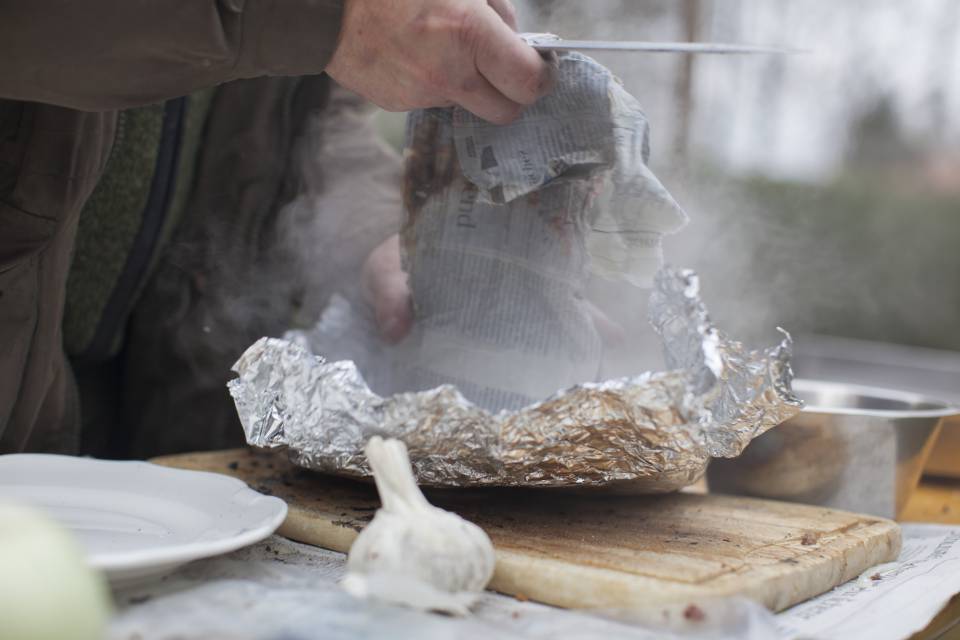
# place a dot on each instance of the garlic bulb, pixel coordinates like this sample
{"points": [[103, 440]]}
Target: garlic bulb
{"points": [[413, 553]]}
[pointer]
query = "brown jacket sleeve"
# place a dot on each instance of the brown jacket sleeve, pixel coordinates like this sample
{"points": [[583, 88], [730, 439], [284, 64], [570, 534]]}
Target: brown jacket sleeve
{"points": [[98, 55]]}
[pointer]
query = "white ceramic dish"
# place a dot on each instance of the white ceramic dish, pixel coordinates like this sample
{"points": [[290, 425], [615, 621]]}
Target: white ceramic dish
{"points": [[138, 520]]}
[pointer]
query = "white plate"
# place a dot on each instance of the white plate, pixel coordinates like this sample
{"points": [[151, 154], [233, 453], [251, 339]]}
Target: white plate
{"points": [[139, 520]]}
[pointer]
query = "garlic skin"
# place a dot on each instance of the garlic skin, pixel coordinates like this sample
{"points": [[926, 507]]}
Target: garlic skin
{"points": [[413, 553]]}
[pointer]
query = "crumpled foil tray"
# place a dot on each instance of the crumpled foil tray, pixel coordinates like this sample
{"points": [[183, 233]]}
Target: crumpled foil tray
{"points": [[650, 433]]}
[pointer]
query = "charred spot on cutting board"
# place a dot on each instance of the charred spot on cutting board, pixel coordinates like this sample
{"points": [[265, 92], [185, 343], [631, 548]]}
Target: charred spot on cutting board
{"points": [[287, 479], [693, 613], [809, 538], [348, 524], [233, 466]]}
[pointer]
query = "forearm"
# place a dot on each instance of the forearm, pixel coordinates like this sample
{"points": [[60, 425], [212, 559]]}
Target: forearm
{"points": [[109, 54]]}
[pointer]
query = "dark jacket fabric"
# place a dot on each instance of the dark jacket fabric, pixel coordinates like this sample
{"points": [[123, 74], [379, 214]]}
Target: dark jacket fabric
{"points": [[236, 264], [111, 54]]}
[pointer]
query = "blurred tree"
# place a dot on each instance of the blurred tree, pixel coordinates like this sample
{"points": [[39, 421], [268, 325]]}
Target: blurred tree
{"points": [[877, 140], [593, 19], [691, 17]]}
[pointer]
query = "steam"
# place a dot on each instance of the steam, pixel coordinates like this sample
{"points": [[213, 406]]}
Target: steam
{"points": [[781, 117], [782, 259]]}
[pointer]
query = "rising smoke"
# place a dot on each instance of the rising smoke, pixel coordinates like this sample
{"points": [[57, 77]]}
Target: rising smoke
{"points": [[783, 232]]}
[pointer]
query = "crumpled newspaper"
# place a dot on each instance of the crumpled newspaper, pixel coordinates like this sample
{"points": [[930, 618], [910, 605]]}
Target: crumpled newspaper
{"points": [[503, 226], [648, 433], [588, 126]]}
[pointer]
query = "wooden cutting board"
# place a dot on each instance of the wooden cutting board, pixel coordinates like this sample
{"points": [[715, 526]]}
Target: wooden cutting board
{"points": [[590, 551]]}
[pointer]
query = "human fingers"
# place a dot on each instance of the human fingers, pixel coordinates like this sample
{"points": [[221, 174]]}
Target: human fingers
{"points": [[506, 11], [385, 287], [508, 63], [391, 307], [479, 97]]}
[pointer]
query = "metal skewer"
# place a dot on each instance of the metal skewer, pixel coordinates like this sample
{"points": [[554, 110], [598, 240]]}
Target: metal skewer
{"points": [[550, 42]]}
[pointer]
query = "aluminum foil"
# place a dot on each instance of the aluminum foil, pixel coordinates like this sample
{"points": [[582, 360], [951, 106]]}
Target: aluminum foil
{"points": [[648, 433]]}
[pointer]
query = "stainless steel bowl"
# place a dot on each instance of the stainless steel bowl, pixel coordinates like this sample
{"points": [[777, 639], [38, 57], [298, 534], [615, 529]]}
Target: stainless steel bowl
{"points": [[855, 448]]}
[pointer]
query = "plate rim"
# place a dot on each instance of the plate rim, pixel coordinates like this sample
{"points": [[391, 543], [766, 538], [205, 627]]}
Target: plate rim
{"points": [[174, 553]]}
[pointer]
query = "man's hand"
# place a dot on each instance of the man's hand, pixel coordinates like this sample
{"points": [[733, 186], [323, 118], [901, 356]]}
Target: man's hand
{"points": [[412, 54], [385, 286]]}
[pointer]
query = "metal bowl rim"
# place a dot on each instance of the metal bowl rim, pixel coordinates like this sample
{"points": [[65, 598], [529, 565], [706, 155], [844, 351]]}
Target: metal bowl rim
{"points": [[945, 408]]}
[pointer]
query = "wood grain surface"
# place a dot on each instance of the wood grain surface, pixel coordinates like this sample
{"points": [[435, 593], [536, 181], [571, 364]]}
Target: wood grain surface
{"points": [[587, 551], [935, 500], [944, 460]]}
